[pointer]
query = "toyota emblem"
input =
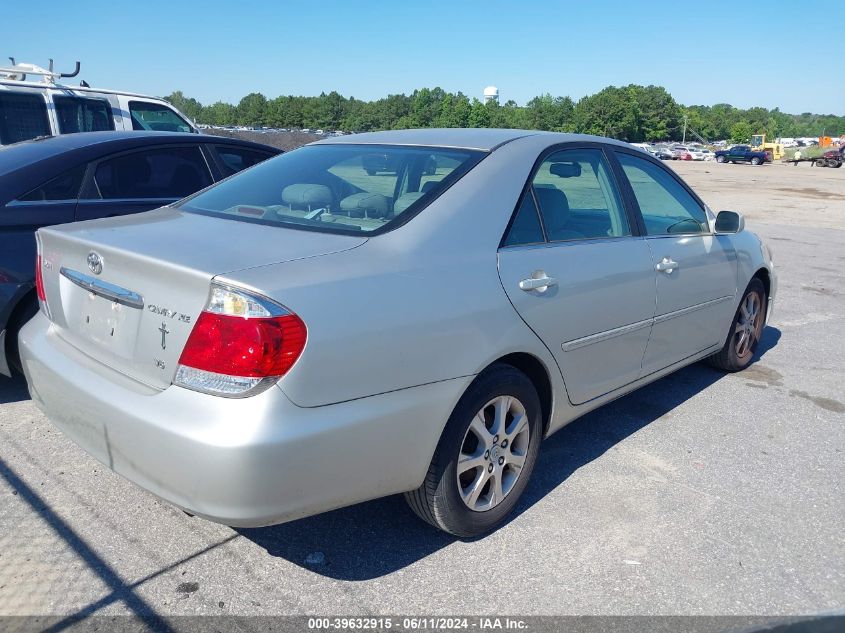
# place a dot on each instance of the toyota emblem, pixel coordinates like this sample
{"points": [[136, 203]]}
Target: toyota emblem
{"points": [[95, 263]]}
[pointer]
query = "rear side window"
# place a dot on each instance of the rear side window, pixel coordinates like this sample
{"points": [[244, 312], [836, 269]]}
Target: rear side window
{"points": [[526, 227], [79, 114], [235, 159], [167, 172], [146, 115], [666, 207], [63, 187], [22, 117], [577, 197]]}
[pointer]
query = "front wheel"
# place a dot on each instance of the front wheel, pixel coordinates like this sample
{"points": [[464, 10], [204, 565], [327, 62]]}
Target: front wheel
{"points": [[755, 161], [485, 455], [745, 332], [720, 159]]}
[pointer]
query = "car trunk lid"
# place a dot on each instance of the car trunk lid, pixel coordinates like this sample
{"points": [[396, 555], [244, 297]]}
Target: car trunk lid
{"points": [[127, 290]]}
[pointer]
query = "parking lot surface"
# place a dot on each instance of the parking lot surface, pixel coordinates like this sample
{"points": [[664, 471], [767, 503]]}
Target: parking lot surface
{"points": [[702, 493]]}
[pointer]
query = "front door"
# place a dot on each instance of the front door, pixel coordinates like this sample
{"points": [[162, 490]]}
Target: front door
{"points": [[577, 276], [696, 269]]}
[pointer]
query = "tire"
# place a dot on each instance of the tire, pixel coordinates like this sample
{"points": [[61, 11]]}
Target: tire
{"points": [[755, 161], [439, 500], [720, 159], [24, 311], [371, 172], [736, 353]]}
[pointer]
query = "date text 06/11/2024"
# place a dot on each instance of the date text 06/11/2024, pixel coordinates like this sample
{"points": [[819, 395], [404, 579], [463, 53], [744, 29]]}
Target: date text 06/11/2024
{"points": [[418, 623]]}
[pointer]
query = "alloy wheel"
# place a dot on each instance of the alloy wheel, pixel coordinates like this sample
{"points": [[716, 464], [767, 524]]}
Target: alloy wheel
{"points": [[493, 453], [747, 326]]}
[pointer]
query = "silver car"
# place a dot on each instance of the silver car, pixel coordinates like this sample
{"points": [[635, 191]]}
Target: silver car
{"points": [[306, 335]]}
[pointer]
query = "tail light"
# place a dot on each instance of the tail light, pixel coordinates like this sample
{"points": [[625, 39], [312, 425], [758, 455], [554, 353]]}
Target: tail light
{"points": [[241, 344], [39, 280]]}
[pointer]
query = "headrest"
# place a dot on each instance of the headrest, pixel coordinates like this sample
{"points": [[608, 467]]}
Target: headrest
{"points": [[406, 200], [566, 170], [553, 203], [311, 196], [429, 185], [365, 205]]}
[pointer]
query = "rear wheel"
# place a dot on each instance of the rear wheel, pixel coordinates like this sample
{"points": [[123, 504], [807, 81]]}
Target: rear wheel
{"points": [[746, 328], [485, 455]]}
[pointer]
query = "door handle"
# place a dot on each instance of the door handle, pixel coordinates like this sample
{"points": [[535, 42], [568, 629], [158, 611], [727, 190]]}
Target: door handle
{"points": [[538, 281], [666, 265]]}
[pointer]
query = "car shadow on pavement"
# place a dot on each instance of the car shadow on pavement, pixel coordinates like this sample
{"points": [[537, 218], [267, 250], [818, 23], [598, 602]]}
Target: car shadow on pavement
{"points": [[379, 537], [13, 389]]}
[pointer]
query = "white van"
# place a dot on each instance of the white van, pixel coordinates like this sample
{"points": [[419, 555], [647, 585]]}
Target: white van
{"points": [[34, 104]]}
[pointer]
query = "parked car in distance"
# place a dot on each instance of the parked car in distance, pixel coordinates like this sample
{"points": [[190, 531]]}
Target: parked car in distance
{"points": [[304, 335], [664, 153], [94, 175], [31, 108], [706, 153], [743, 154], [678, 151]]}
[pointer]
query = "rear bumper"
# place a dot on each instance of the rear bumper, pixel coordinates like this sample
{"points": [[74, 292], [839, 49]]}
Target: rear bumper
{"points": [[242, 462]]}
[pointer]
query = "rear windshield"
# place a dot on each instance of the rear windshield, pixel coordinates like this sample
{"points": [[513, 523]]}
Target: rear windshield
{"points": [[337, 188]]}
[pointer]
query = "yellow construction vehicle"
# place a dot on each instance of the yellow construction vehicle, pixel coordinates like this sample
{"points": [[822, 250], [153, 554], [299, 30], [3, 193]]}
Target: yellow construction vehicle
{"points": [[758, 142]]}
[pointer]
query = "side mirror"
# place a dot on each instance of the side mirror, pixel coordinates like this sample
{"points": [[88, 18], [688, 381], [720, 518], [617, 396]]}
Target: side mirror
{"points": [[729, 222]]}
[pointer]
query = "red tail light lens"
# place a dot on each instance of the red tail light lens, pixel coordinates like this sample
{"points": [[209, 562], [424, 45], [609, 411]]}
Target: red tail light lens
{"points": [[240, 344], [247, 347], [39, 280]]}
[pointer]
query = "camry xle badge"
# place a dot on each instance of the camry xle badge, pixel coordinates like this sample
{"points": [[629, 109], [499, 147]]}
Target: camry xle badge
{"points": [[164, 332], [95, 263]]}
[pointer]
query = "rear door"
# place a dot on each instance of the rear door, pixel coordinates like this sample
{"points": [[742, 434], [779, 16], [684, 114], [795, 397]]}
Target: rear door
{"points": [[576, 273], [696, 269], [52, 202], [141, 180]]}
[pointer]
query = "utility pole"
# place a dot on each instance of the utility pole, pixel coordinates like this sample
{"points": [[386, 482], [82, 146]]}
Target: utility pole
{"points": [[684, 142]]}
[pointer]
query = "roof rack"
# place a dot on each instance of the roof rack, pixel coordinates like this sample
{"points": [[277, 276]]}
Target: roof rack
{"points": [[19, 72]]}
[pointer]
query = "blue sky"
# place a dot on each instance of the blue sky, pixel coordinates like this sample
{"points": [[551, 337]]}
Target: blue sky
{"points": [[741, 52]]}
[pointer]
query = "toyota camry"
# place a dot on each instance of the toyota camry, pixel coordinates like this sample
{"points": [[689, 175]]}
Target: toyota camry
{"points": [[312, 333]]}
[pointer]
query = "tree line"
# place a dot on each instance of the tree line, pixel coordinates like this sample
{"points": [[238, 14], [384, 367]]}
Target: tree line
{"points": [[632, 113]]}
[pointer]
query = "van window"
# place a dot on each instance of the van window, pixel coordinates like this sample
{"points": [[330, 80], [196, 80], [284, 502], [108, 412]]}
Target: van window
{"points": [[78, 114], [22, 117], [146, 115]]}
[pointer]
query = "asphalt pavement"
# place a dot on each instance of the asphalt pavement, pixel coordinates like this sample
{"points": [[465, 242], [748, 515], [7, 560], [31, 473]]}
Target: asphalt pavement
{"points": [[702, 493]]}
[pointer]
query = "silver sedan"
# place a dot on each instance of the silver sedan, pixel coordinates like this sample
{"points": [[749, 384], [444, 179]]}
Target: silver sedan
{"points": [[391, 312]]}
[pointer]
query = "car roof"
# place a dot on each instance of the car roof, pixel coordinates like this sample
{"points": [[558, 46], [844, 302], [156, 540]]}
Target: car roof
{"points": [[485, 139], [89, 145]]}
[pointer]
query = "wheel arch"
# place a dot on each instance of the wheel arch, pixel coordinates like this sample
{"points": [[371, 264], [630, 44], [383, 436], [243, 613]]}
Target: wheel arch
{"points": [[764, 276], [538, 374], [24, 303]]}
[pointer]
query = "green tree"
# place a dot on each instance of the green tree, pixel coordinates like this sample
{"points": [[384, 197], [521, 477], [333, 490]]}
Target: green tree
{"points": [[659, 112], [741, 132], [252, 109], [219, 114], [187, 106], [612, 112]]}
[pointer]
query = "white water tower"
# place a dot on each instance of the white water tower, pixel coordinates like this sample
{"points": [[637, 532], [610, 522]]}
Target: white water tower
{"points": [[491, 93]]}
